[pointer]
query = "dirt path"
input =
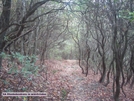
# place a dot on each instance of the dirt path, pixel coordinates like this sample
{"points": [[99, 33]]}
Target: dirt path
{"points": [[72, 74], [68, 84], [83, 87]]}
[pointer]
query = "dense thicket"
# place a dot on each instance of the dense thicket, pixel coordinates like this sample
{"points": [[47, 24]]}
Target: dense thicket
{"points": [[102, 31], [108, 38]]}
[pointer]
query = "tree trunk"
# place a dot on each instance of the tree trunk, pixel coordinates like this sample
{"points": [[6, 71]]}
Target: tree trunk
{"points": [[4, 22], [117, 81], [87, 62], [104, 70], [0, 62], [1, 50]]}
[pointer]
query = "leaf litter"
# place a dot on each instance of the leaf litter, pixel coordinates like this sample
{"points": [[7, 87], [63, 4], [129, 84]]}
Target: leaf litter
{"points": [[63, 81]]}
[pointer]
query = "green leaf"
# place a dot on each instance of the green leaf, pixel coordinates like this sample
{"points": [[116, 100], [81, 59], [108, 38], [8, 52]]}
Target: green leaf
{"points": [[6, 82]]}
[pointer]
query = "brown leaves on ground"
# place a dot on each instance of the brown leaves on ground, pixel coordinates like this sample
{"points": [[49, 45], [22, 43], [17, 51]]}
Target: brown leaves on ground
{"points": [[63, 81], [66, 75]]}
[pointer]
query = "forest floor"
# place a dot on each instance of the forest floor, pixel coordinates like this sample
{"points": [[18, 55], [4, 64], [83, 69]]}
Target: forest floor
{"points": [[65, 82]]}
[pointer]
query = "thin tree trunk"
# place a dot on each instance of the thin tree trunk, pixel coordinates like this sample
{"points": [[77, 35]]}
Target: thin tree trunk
{"points": [[104, 70], [117, 79], [0, 62]]}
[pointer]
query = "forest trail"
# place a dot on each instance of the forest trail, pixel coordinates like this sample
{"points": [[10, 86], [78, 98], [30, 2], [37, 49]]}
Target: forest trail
{"points": [[67, 83]]}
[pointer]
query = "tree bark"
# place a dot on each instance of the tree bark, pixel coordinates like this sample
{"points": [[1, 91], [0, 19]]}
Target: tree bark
{"points": [[4, 23], [117, 78], [104, 70]]}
